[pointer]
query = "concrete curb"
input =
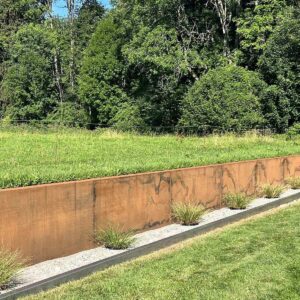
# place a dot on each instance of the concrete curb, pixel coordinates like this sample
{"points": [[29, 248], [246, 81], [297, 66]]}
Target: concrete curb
{"points": [[140, 251]]}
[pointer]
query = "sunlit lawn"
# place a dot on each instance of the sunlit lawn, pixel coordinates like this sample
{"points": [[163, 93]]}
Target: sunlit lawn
{"points": [[32, 157]]}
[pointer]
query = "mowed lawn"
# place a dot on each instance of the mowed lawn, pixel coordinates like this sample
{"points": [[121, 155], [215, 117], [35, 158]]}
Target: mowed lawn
{"points": [[259, 259], [33, 157]]}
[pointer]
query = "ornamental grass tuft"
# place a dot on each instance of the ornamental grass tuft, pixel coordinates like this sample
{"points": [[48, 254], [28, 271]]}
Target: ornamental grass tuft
{"points": [[187, 213], [272, 191], [10, 265], [236, 200], [294, 182], [114, 238]]}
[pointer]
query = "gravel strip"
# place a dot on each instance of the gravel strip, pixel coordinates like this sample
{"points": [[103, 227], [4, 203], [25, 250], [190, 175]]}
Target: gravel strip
{"points": [[61, 265]]}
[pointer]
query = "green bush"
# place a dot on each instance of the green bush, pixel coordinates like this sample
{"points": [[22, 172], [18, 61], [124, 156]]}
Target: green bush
{"points": [[293, 131], [68, 114], [236, 200], [10, 264], [294, 182], [275, 106], [128, 118], [187, 213], [225, 99], [272, 191], [113, 238]]}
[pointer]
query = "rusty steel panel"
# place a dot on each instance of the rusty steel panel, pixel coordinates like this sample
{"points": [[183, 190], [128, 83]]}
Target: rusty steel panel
{"points": [[54, 220], [133, 202], [46, 222], [197, 185]]}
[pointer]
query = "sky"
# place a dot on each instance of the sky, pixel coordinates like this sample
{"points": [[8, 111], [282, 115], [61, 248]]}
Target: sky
{"points": [[60, 9]]}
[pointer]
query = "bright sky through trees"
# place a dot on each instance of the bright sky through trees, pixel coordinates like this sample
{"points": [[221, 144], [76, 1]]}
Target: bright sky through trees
{"points": [[59, 7]]}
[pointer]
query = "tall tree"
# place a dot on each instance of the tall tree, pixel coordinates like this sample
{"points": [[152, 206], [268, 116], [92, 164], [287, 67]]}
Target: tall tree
{"points": [[255, 26], [280, 66], [88, 16], [13, 15], [71, 18], [29, 90], [225, 10], [102, 73]]}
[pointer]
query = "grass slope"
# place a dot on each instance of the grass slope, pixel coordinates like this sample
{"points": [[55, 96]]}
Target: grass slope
{"points": [[259, 259], [28, 158]]}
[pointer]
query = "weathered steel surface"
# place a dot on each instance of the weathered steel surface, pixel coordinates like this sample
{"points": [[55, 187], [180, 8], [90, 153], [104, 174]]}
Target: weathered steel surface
{"points": [[54, 220]]}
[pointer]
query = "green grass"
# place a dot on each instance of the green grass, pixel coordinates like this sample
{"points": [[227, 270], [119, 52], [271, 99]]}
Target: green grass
{"points": [[259, 259], [10, 265], [34, 157], [114, 238], [294, 182], [236, 200], [187, 214], [272, 191]]}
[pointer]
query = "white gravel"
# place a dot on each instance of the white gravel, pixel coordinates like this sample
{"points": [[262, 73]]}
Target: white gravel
{"points": [[58, 266]]}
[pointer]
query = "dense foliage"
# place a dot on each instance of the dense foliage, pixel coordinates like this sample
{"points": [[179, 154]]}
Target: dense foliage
{"points": [[152, 65], [225, 98]]}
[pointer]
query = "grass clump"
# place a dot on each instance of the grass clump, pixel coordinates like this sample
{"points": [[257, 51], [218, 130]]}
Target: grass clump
{"points": [[187, 213], [272, 191], [10, 264], [236, 200], [114, 238], [294, 182]]}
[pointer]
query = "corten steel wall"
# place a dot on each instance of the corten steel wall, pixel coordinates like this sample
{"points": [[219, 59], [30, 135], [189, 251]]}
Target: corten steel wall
{"points": [[54, 220]]}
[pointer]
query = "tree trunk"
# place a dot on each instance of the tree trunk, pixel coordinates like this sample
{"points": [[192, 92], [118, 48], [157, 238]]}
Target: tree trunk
{"points": [[225, 17], [71, 17], [57, 73]]}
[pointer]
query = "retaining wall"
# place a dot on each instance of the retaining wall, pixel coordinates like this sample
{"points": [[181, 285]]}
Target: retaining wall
{"points": [[53, 220]]}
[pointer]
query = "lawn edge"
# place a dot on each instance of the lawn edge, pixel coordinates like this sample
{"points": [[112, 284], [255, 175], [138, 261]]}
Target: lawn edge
{"points": [[149, 172], [138, 252]]}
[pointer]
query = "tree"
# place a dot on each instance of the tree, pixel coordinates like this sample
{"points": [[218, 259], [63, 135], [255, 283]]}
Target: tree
{"points": [[13, 15], [88, 16], [29, 90], [255, 26], [225, 99], [225, 10], [102, 73], [280, 63]]}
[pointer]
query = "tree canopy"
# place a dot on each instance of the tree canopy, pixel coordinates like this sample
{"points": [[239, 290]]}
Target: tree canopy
{"points": [[167, 64]]}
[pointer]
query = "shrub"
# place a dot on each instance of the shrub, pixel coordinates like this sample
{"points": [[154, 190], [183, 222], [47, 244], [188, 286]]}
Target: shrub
{"points": [[114, 238], [128, 118], [272, 191], [68, 114], [293, 131], [10, 264], [225, 99], [294, 182], [236, 200], [187, 213]]}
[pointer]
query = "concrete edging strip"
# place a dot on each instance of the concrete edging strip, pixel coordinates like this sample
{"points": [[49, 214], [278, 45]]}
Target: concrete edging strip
{"points": [[141, 251]]}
